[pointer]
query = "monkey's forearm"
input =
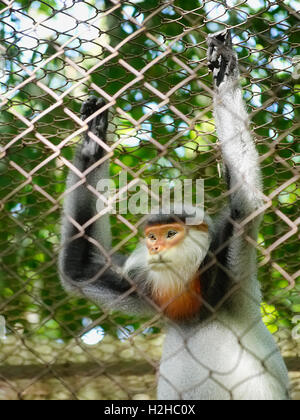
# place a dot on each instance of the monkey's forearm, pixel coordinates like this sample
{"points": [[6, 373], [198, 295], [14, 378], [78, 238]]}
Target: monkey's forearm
{"points": [[232, 123], [81, 233], [238, 149], [85, 262]]}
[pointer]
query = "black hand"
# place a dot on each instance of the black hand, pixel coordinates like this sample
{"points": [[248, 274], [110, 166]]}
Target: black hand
{"points": [[98, 125], [222, 60]]}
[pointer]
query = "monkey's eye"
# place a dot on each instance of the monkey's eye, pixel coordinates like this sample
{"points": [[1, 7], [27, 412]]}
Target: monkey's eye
{"points": [[152, 237], [171, 233]]}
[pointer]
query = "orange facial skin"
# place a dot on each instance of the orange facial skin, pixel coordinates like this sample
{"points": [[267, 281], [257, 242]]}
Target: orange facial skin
{"points": [[162, 237]]}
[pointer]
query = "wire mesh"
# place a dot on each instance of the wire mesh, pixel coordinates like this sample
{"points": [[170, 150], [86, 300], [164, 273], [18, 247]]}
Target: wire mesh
{"points": [[147, 59]]}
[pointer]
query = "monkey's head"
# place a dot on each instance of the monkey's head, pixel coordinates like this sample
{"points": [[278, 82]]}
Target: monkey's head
{"points": [[174, 245], [170, 256], [175, 250]]}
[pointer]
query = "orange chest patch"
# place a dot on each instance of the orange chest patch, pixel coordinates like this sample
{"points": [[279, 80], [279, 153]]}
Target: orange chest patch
{"points": [[180, 305]]}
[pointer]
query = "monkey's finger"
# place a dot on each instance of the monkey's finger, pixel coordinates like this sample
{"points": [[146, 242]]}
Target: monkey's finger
{"points": [[221, 38], [91, 105], [97, 125], [87, 106], [213, 57]]}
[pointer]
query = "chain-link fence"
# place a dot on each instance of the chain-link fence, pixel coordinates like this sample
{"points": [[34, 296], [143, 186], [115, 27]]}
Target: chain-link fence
{"points": [[148, 60]]}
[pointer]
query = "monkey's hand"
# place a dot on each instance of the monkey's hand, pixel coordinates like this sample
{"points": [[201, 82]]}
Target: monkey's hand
{"points": [[90, 148], [222, 59]]}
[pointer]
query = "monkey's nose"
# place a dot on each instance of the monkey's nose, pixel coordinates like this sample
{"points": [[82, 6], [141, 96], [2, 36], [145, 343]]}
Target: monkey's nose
{"points": [[155, 249]]}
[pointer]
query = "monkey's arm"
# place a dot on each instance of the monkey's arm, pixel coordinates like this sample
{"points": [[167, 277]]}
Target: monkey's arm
{"points": [[238, 149], [85, 263]]}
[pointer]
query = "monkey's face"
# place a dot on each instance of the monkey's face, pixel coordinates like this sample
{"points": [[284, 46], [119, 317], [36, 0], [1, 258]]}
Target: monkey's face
{"points": [[161, 238], [175, 246]]}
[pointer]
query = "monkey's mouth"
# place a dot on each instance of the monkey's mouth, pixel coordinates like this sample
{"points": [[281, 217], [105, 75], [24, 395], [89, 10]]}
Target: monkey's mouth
{"points": [[159, 262]]}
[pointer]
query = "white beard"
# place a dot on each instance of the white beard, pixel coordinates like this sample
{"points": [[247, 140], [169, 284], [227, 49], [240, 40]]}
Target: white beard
{"points": [[175, 267]]}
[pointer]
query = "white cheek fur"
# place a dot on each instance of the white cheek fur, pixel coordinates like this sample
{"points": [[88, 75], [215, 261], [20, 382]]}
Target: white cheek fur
{"points": [[183, 261]]}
